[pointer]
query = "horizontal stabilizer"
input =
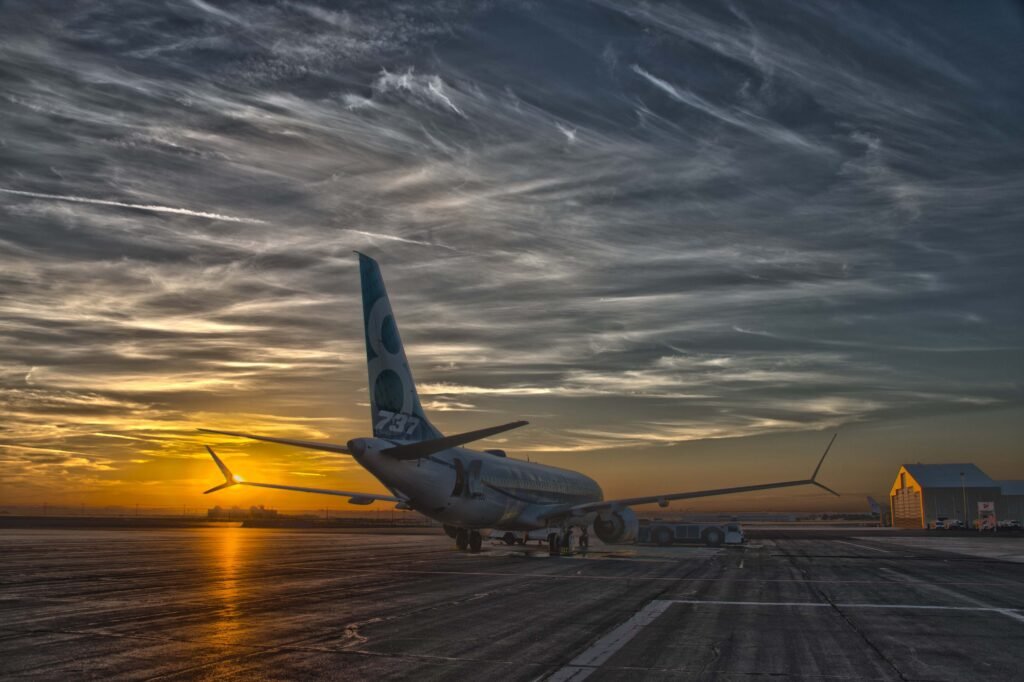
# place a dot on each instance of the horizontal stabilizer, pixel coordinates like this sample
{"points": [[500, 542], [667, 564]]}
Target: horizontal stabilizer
{"points": [[429, 447], [353, 498], [311, 444]]}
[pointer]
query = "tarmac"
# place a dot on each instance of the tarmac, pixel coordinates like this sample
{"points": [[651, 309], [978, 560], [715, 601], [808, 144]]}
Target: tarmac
{"points": [[244, 603]]}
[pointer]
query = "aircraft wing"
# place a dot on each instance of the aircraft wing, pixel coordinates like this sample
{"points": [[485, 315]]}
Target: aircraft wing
{"points": [[311, 444], [663, 500], [231, 479]]}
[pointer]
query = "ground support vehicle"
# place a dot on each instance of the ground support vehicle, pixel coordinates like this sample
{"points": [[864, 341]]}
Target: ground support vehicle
{"points": [[664, 533]]}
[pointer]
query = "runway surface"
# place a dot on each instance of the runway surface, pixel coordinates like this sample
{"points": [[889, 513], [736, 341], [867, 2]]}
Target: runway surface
{"points": [[234, 603]]}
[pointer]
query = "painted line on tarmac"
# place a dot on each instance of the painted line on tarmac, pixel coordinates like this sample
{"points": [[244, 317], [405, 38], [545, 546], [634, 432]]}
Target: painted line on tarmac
{"points": [[591, 659], [966, 546], [944, 591], [376, 573], [824, 604], [1010, 613], [600, 651], [979, 604], [873, 549]]}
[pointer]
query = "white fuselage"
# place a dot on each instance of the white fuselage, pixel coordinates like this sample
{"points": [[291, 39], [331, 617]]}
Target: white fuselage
{"points": [[472, 489]]}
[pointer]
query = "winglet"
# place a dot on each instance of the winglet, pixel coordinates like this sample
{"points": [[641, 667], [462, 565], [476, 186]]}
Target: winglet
{"points": [[229, 478], [826, 488], [814, 476]]}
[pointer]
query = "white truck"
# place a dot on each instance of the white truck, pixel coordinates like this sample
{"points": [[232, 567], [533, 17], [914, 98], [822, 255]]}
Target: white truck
{"points": [[665, 533]]}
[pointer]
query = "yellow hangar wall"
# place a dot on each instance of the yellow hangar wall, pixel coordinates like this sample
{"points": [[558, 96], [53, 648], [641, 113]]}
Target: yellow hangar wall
{"points": [[905, 501]]}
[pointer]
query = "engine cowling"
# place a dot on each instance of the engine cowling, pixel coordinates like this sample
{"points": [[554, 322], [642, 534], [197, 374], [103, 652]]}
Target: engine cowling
{"points": [[616, 527]]}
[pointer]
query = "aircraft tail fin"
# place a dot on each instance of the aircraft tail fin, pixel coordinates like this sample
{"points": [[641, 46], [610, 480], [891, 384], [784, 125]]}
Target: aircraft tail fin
{"points": [[394, 404]]}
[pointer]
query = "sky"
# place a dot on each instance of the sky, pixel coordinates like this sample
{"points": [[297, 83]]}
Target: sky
{"points": [[686, 241]]}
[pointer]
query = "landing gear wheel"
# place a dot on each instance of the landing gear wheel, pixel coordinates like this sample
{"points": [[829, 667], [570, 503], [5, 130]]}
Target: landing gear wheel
{"points": [[553, 544], [713, 538], [462, 539], [567, 543], [475, 541], [662, 536], [509, 538]]}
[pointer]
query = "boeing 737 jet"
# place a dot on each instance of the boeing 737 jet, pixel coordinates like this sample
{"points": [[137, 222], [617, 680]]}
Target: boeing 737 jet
{"points": [[466, 490]]}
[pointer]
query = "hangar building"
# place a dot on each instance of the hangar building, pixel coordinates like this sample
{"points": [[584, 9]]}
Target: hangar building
{"points": [[924, 492]]}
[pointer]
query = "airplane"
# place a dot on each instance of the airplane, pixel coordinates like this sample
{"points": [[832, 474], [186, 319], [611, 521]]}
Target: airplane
{"points": [[467, 491]]}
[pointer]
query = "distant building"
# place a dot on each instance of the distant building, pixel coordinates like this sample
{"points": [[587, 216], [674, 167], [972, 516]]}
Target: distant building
{"points": [[923, 493], [1013, 500], [238, 514], [261, 513]]}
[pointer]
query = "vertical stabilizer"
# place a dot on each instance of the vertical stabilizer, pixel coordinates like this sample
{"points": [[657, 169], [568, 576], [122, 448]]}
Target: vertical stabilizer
{"points": [[394, 405]]}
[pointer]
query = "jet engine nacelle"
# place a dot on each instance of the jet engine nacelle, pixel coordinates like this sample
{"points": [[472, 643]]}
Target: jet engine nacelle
{"points": [[616, 527]]}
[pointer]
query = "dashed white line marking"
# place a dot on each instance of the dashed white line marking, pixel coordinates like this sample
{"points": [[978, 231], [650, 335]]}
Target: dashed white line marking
{"points": [[873, 549]]}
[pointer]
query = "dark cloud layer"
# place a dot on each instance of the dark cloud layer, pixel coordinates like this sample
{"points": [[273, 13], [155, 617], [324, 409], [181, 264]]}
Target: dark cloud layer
{"points": [[639, 224]]}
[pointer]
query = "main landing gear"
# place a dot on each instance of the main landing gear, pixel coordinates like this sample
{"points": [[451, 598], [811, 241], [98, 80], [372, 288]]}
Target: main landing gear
{"points": [[560, 544], [465, 538]]}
